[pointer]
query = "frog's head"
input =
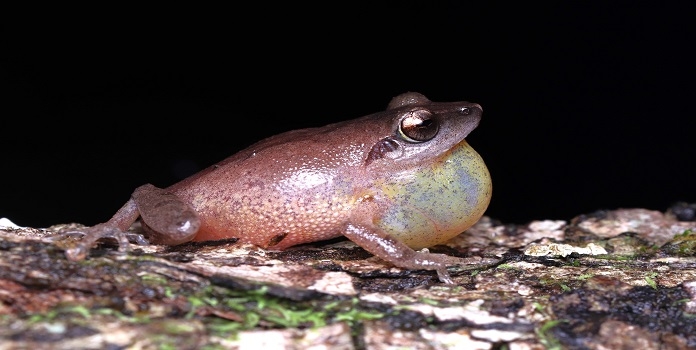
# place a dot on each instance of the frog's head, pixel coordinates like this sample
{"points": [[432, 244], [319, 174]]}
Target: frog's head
{"points": [[431, 183], [421, 129]]}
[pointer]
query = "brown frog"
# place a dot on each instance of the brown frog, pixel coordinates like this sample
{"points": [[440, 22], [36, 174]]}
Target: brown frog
{"points": [[391, 182]]}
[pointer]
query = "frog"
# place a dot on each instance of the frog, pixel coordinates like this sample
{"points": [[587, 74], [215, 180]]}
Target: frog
{"points": [[395, 183]]}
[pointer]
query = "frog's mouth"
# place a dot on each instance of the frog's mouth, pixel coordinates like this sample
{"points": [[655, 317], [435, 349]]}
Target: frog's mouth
{"points": [[454, 151]]}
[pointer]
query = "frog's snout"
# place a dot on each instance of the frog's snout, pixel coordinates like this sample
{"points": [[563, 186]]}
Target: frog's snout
{"points": [[470, 109]]}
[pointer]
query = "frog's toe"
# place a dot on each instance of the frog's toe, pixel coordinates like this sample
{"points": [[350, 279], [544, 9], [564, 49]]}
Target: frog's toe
{"points": [[93, 234], [444, 276]]}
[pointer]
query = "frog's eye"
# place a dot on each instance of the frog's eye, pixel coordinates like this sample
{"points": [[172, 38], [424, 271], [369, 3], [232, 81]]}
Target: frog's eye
{"points": [[418, 125]]}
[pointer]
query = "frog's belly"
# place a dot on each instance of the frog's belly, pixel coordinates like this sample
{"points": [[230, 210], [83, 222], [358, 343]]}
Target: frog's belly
{"points": [[266, 236], [271, 221], [438, 202]]}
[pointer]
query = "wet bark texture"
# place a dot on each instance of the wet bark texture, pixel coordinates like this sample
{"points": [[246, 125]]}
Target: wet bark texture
{"points": [[607, 280]]}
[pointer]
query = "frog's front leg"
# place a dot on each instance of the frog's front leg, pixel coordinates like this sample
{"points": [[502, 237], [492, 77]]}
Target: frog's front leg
{"points": [[166, 219], [382, 245], [115, 228]]}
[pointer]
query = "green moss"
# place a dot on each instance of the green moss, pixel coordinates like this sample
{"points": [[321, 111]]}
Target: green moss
{"points": [[551, 282], [153, 279], [139, 318], [585, 276], [648, 249], [540, 308], [66, 312], [683, 244], [650, 280], [684, 234], [429, 301], [257, 309], [505, 266], [546, 338]]}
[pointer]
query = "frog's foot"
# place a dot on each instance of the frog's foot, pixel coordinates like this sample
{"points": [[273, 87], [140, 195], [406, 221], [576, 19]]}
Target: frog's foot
{"points": [[429, 261], [95, 233], [441, 261], [387, 248]]}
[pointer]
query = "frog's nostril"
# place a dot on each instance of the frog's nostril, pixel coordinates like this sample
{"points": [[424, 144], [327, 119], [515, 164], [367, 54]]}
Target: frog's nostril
{"points": [[470, 109]]}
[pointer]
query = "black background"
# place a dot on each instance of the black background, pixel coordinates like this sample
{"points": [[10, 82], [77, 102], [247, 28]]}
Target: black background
{"points": [[587, 105]]}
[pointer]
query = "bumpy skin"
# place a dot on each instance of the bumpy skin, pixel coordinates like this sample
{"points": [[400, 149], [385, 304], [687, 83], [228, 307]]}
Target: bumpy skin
{"points": [[392, 182]]}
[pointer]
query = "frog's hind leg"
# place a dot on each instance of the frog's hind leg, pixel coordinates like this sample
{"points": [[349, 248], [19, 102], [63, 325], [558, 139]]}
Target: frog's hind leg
{"points": [[382, 245]]}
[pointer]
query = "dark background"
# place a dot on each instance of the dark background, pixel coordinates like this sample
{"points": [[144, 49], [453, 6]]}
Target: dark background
{"points": [[587, 105]]}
